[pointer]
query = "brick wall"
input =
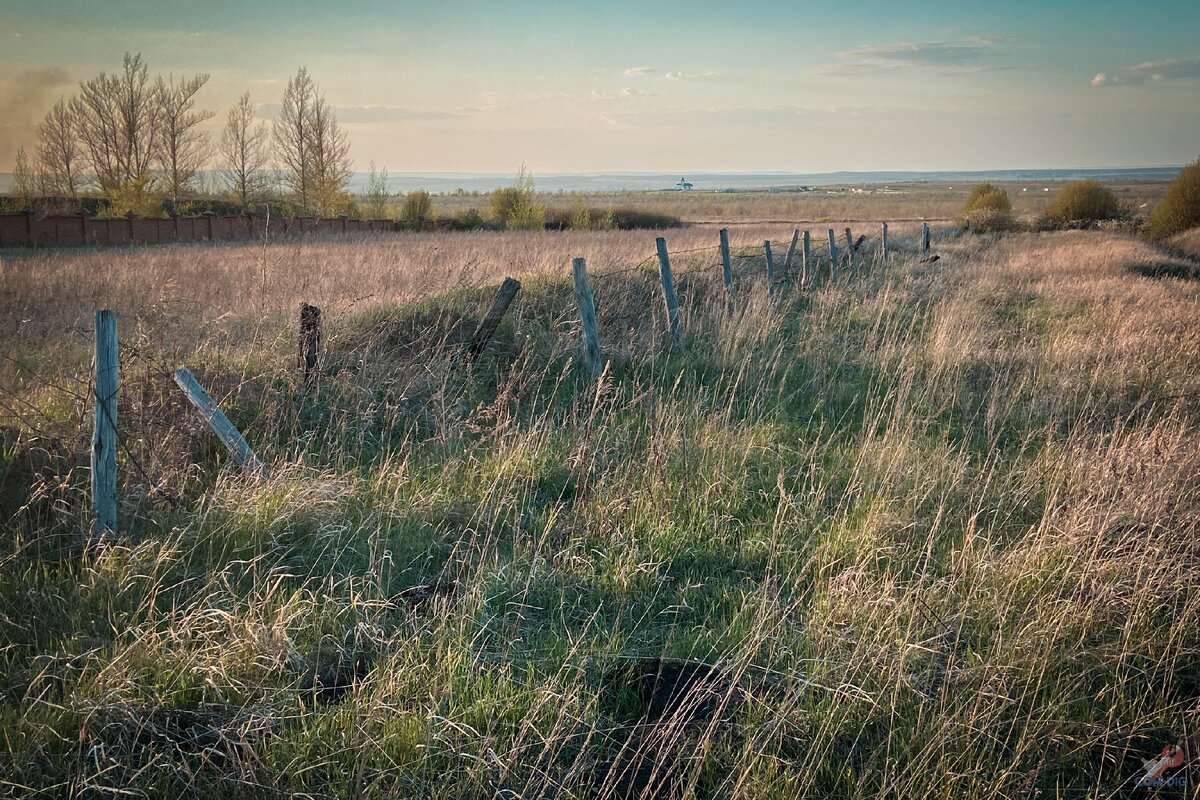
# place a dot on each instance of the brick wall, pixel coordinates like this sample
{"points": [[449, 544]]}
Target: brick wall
{"points": [[24, 229]]}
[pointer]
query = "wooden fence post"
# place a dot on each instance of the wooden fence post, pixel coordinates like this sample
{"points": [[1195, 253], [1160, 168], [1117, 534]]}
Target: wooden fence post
{"points": [[216, 419], [925, 237], [491, 321], [727, 267], [770, 268], [849, 252], [674, 328], [833, 256], [587, 315], [806, 260], [791, 253], [104, 434], [310, 341], [884, 247]]}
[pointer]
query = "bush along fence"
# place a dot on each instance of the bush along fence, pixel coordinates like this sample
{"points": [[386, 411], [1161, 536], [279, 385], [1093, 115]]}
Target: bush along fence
{"points": [[804, 265], [25, 229]]}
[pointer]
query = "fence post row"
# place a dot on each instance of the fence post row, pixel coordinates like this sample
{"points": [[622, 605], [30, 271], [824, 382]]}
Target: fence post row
{"points": [[216, 419], [587, 315], [310, 341], [884, 246], [671, 302], [770, 268], [833, 256], [925, 237], [727, 267], [488, 325], [104, 432]]}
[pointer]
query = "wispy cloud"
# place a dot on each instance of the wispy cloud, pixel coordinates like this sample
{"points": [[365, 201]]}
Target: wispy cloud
{"points": [[709, 117], [907, 55], [1165, 70], [379, 113], [670, 75], [628, 91]]}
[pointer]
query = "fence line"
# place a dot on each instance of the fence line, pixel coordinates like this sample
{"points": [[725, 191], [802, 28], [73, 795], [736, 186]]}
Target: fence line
{"points": [[105, 438]]}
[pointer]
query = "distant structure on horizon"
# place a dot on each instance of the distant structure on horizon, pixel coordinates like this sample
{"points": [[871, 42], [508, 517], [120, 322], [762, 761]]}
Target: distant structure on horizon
{"points": [[683, 185]]}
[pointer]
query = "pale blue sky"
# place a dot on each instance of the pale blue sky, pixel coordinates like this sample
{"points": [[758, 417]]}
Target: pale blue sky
{"points": [[653, 86]]}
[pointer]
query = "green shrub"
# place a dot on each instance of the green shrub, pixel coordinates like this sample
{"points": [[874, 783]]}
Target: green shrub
{"points": [[136, 196], [607, 221], [1179, 210], [1082, 201], [517, 207], [581, 216], [418, 207], [470, 220], [987, 208]]}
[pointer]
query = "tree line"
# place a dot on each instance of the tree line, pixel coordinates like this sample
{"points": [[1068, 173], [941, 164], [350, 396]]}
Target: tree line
{"points": [[139, 142]]}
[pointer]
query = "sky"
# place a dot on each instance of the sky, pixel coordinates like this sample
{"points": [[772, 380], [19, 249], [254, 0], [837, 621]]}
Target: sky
{"points": [[753, 85]]}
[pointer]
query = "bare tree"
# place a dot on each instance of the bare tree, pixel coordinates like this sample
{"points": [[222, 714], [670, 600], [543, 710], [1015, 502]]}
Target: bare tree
{"points": [[59, 151], [292, 135], [182, 146], [118, 126], [378, 193], [329, 152], [311, 147], [25, 182], [244, 153]]}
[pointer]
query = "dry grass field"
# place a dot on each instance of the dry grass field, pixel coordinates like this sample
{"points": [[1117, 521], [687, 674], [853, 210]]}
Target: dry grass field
{"points": [[930, 530], [900, 201]]}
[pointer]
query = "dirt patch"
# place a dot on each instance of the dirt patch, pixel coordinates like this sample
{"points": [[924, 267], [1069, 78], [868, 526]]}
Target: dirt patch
{"points": [[668, 708], [133, 738]]}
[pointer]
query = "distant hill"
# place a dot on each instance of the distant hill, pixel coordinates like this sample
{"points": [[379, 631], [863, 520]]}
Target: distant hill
{"points": [[446, 182]]}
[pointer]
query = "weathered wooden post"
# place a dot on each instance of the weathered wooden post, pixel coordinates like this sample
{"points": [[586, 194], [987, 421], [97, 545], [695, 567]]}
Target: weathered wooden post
{"points": [[587, 315], [104, 432], [925, 237], [488, 325], [883, 248], [727, 266], [216, 419], [849, 252], [833, 256], [310, 341], [770, 268], [791, 253], [674, 329], [806, 260]]}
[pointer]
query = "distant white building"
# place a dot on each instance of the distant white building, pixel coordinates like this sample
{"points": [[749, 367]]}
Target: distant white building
{"points": [[683, 185]]}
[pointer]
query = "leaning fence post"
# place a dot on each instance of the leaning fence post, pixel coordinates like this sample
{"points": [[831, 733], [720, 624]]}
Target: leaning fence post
{"points": [[806, 260], [884, 246], [669, 299], [216, 419], [849, 252], [310, 340], [488, 325], [770, 268], [791, 253], [104, 433], [727, 266], [925, 237], [833, 256], [587, 315]]}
